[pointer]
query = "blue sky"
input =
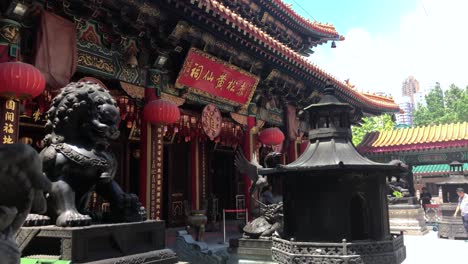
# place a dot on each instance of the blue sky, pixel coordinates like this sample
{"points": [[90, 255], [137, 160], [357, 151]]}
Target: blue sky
{"points": [[388, 40]]}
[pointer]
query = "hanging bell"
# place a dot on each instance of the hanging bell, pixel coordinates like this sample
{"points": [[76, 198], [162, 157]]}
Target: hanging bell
{"points": [[132, 61]]}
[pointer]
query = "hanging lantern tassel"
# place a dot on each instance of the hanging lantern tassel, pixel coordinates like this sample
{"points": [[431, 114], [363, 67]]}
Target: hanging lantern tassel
{"points": [[130, 123]]}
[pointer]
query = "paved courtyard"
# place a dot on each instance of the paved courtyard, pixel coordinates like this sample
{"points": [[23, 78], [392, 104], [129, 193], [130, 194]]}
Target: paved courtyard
{"points": [[429, 249], [426, 249]]}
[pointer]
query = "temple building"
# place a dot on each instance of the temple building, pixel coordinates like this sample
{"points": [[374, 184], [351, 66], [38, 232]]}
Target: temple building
{"points": [[428, 150], [231, 68]]}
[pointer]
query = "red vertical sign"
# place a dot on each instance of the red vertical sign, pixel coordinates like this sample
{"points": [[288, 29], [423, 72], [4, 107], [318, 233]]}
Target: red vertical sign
{"points": [[156, 175], [9, 121]]}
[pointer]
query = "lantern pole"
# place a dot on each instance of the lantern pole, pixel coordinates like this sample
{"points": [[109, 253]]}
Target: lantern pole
{"points": [[9, 107]]}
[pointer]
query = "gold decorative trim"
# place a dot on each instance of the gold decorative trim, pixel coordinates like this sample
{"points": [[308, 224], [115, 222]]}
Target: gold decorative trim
{"points": [[203, 171], [10, 32], [131, 135], [148, 168], [260, 123], [136, 92], [197, 174], [241, 119], [172, 98]]}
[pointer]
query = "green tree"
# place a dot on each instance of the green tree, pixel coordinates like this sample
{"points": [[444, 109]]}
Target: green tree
{"points": [[435, 101], [451, 97], [442, 108], [371, 124], [421, 116], [461, 106]]}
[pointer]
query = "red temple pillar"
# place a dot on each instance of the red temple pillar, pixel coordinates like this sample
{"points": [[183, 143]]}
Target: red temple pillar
{"points": [[150, 144], [248, 150], [292, 126]]}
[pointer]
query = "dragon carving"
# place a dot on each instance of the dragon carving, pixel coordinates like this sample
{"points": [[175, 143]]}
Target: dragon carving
{"points": [[82, 120], [270, 221]]}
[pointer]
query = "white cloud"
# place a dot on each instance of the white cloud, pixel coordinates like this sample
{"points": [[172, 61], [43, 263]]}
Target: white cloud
{"points": [[431, 44]]}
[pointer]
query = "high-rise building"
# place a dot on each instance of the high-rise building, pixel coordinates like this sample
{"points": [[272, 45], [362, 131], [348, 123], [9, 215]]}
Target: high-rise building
{"points": [[405, 117], [410, 87]]}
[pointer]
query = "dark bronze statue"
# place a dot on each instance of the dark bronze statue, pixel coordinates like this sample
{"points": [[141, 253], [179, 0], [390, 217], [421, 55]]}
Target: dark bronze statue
{"points": [[252, 168], [22, 187], [269, 222], [402, 186], [82, 120], [196, 219], [271, 215]]}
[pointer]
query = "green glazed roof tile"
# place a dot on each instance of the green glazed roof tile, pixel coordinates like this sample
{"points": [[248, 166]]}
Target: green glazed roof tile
{"points": [[436, 168]]}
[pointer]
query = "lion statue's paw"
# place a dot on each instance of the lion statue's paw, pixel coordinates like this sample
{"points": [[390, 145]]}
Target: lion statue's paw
{"points": [[73, 218], [36, 220]]}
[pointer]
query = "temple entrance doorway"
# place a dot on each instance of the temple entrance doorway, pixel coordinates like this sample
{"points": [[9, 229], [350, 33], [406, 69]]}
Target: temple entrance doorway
{"points": [[225, 181], [176, 182]]}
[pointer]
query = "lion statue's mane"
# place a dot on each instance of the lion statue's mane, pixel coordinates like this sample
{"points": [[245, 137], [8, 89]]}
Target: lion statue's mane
{"points": [[76, 109]]}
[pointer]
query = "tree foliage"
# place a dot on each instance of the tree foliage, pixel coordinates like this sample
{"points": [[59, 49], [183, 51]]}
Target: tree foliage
{"points": [[442, 108], [371, 124]]}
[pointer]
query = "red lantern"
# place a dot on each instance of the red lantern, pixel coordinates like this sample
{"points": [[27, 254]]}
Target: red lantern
{"points": [[161, 112], [271, 136], [20, 80]]}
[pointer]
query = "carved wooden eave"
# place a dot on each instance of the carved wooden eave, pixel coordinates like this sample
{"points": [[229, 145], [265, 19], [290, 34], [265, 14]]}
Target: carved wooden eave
{"points": [[176, 100], [241, 119], [227, 24], [154, 25], [134, 91]]}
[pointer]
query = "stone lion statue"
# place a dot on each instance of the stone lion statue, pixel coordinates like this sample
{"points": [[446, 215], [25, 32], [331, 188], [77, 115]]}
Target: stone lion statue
{"points": [[82, 120], [22, 187]]}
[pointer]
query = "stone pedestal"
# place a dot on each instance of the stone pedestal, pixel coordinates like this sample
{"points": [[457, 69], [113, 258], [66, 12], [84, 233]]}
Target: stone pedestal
{"points": [[141, 242], [256, 251], [451, 227], [407, 217]]}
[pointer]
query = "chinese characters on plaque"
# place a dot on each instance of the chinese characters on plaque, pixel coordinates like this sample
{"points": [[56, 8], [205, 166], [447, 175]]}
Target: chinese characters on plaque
{"points": [[9, 110], [213, 78]]}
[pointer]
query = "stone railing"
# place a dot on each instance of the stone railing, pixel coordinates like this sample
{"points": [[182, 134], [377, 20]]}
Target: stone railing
{"points": [[379, 252]]}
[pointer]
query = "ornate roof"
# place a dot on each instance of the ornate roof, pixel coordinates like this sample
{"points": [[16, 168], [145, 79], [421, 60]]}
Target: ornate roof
{"points": [[284, 11], [425, 137], [235, 21], [330, 146], [434, 169]]}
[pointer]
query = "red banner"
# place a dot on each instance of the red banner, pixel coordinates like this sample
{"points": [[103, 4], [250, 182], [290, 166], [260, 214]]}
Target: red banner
{"points": [[213, 78]]}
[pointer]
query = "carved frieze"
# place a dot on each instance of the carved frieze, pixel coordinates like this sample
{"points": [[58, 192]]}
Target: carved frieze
{"points": [[9, 31]]}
